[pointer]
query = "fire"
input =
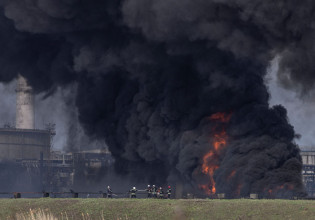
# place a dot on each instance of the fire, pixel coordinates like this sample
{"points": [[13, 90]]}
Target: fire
{"points": [[219, 140], [232, 174], [285, 186], [222, 117], [238, 190], [210, 161]]}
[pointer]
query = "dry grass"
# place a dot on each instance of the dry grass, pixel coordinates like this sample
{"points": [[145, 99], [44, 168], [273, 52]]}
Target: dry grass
{"points": [[128, 209], [37, 214], [40, 214]]}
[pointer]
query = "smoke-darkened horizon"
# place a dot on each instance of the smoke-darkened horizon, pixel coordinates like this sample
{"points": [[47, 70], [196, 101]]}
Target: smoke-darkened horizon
{"points": [[150, 74]]}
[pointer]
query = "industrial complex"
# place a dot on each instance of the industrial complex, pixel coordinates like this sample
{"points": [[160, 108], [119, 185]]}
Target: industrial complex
{"points": [[308, 158], [27, 161]]}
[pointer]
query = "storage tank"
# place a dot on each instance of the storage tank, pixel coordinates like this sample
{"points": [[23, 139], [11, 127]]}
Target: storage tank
{"points": [[24, 144]]}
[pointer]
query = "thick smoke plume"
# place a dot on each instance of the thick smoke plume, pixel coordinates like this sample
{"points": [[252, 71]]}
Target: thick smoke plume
{"points": [[151, 73]]}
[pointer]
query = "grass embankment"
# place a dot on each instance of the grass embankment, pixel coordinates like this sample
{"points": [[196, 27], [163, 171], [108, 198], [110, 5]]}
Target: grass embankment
{"points": [[158, 209]]}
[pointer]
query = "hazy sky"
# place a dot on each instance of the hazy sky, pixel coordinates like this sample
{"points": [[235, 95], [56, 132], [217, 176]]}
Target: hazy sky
{"points": [[56, 109]]}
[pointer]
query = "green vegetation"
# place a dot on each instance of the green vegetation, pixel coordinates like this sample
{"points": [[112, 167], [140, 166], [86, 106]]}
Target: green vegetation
{"points": [[156, 209]]}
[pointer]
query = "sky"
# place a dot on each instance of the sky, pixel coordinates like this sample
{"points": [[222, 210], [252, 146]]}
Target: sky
{"points": [[57, 109]]}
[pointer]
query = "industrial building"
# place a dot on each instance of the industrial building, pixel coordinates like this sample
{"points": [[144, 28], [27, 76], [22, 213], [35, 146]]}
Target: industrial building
{"points": [[308, 158], [25, 113], [24, 141], [68, 170], [26, 160], [27, 144]]}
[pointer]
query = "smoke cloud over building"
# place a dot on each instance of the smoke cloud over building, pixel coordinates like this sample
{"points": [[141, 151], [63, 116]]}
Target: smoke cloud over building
{"points": [[154, 76]]}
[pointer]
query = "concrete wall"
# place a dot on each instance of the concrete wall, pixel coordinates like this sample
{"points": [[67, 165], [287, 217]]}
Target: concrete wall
{"points": [[16, 144], [308, 157]]}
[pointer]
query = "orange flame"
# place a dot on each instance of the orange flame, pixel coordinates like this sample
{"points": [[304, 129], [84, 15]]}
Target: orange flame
{"points": [[222, 117], [238, 189], [232, 174], [287, 186], [210, 161]]}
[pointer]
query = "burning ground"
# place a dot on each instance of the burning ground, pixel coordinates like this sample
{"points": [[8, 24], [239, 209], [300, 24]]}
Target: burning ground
{"points": [[176, 88]]}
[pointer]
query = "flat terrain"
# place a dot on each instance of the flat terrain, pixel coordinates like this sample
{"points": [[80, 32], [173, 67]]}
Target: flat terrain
{"points": [[157, 209]]}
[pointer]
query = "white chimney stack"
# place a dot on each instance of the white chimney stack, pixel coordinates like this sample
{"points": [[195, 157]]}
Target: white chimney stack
{"points": [[25, 115]]}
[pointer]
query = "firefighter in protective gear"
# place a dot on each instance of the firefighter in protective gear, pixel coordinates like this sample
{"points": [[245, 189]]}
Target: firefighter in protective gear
{"points": [[154, 191], [149, 190], [161, 193], [133, 192], [169, 192], [109, 192]]}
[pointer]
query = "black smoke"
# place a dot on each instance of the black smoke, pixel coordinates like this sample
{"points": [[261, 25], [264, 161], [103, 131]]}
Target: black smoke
{"points": [[150, 73]]}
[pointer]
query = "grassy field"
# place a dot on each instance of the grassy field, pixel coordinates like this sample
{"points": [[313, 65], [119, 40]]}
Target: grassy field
{"points": [[155, 209]]}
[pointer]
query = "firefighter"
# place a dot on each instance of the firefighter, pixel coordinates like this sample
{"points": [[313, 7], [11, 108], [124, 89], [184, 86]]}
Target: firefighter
{"points": [[161, 194], [169, 192], [154, 191], [109, 192], [133, 192], [149, 190]]}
